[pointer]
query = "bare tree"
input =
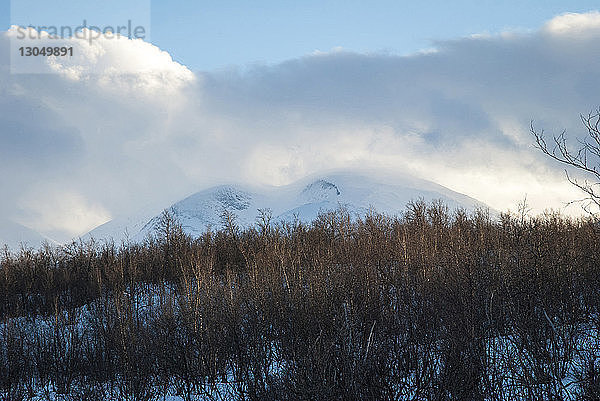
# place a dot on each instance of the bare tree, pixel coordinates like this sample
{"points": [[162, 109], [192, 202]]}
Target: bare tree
{"points": [[585, 157]]}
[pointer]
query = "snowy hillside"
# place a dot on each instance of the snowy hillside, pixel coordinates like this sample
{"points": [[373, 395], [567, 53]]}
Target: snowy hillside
{"points": [[303, 200], [14, 235]]}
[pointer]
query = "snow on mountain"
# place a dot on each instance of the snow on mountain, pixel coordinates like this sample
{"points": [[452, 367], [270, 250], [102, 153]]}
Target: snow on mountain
{"points": [[302, 200], [124, 228], [15, 235]]}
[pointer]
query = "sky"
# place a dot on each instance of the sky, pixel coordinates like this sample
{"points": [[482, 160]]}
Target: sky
{"points": [[273, 92], [209, 35]]}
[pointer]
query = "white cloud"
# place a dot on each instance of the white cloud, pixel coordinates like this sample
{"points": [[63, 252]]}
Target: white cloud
{"points": [[91, 142], [108, 60], [53, 211], [574, 24]]}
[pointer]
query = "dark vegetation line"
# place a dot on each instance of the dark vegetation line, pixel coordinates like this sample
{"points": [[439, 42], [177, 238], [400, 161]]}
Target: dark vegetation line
{"points": [[428, 306]]}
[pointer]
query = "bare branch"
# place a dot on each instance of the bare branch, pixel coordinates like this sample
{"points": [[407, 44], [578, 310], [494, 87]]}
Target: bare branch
{"points": [[585, 158]]}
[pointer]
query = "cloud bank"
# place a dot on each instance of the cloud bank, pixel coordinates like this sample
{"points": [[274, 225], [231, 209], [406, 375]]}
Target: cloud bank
{"points": [[122, 126]]}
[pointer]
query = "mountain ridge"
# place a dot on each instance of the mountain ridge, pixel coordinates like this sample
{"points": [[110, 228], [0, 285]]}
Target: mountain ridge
{"points": [[302, 200]]}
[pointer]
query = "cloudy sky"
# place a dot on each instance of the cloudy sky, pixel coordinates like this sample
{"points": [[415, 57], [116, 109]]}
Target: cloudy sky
{"points": [[125, 124]]}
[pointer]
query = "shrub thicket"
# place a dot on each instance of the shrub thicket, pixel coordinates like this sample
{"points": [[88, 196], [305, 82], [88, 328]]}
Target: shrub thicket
{"points": [[431, 305]]}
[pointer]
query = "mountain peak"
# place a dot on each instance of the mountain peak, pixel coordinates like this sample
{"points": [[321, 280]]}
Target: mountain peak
{"points": [[233, 198], [320, 190]]}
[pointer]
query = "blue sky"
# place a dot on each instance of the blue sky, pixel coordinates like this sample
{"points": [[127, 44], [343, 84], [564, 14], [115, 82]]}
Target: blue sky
{"points": [[219, 34]]}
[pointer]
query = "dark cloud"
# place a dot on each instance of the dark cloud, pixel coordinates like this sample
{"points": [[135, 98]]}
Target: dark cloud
{"points": [[32, 138]]}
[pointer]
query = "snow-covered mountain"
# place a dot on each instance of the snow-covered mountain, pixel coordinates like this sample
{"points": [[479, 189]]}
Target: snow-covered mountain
{"points": [[16, 235], [303, 200]]}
